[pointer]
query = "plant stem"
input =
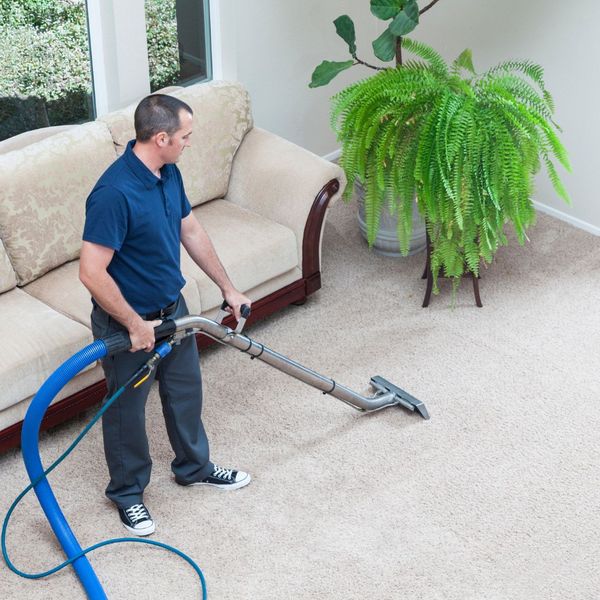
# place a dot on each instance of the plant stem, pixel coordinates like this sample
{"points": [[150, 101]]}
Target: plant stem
{"points": [[399, 39], [399, 52], [366, 64], [398, 46], [428, 6]]}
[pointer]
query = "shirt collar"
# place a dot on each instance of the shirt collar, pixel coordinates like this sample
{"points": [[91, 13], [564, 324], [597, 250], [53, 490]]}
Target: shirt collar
{"points": [[141, 171]]}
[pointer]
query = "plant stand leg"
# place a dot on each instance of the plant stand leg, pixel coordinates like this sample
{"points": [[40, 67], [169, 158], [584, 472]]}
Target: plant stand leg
{"points": [[427, 274], [476, 289]]}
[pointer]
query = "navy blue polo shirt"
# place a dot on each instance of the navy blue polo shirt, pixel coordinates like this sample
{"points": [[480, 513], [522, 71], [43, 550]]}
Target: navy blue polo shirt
{"points": [[139, 216]]}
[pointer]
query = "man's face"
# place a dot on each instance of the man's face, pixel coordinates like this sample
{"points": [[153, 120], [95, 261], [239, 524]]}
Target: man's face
{"points": [[179, 140]]}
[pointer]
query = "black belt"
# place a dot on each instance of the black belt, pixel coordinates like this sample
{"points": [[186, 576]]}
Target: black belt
{"points": [[160, 314]]}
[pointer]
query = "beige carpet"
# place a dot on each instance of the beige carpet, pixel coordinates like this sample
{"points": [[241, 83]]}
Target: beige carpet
{"points": [[497, 497]]}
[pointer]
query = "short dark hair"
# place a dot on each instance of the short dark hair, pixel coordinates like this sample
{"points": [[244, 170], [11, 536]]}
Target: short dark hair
{"points": [[157, 113]]}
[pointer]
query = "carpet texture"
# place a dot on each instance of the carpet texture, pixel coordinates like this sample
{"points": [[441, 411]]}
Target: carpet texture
{"points": [[497, 497]]}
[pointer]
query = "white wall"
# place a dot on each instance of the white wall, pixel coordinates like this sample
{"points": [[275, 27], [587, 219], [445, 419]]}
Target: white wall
{"points": [[272, 47], [563, 38], [277, 46]]}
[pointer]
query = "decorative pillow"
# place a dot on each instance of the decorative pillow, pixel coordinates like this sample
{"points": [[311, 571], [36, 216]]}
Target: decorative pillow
{"points": [[222, 117], [43, 193]]}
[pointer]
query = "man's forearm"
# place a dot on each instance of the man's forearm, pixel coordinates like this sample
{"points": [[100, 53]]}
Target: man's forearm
{"points": [[108, 295]]}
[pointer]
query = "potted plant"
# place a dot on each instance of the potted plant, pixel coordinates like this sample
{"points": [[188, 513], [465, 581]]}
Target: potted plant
{"points": [[467, 145]]}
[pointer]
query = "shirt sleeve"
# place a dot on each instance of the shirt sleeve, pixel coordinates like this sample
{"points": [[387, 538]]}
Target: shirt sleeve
{"points": [[106, 218]]}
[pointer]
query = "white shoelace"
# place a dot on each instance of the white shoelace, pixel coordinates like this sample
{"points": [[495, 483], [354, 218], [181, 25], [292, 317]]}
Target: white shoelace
{"points": [[223, 473], [137, 513]]}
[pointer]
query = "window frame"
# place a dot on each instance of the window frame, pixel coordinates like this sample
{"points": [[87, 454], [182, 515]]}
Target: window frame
{"points": [[119, 51]]}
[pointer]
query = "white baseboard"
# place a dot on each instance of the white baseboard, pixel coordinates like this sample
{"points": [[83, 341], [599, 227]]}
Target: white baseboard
{"points": [[333, 156], [553, 212]]}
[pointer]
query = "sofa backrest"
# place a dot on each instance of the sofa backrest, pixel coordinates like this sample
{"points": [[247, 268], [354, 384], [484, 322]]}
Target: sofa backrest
{"points": [[43, 193], [222, 117], [29, 137], [8, 277]]}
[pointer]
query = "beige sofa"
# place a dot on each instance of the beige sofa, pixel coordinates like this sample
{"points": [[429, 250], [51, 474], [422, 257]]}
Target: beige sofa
{"points": [[261, 198]]}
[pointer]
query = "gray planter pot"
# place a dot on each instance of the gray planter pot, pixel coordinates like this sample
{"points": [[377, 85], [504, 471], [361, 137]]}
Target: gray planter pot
{"points": [[386, 243]]}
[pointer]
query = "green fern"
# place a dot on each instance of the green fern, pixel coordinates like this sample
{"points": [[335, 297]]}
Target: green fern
{"points": [[466, 147]]}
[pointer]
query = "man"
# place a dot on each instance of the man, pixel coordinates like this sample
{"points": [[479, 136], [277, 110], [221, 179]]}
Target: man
{"points": [[136, 217]]}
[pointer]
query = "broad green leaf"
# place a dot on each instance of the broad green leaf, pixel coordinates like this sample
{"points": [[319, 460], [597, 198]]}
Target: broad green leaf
{"points": [[386, 9], [385, 46], [327, 70], [465, 60], [406, 20], [344, 27]]}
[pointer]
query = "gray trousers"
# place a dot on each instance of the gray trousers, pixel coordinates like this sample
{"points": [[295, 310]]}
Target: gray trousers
{"points": [[124, 423]]}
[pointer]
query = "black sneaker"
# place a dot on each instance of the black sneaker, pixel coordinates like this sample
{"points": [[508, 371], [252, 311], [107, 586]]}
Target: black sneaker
{"points": [[225, 479], [137, 520]]}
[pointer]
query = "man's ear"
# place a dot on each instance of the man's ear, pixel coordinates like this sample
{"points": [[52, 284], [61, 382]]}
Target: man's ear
{"points": [[161, 138]]}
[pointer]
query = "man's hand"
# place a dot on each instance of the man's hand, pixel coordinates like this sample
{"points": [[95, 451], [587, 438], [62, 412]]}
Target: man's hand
{"points": [[235, 300], [141, 334]]}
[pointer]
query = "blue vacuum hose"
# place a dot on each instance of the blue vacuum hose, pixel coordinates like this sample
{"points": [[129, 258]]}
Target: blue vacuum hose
{"points": [[29, 441], [33, 463]]}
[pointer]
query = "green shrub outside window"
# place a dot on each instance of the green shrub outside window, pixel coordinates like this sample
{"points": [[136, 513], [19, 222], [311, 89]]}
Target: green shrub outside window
{"points": [[45, 76], [163, 50], [178, 47], [45, 72]]}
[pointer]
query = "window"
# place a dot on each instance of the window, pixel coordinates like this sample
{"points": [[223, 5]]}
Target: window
{"points": [[178, 42], [45, 76]]}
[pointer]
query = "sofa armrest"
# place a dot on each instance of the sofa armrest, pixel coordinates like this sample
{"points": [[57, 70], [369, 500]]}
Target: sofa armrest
{"points": [[285, 183]]}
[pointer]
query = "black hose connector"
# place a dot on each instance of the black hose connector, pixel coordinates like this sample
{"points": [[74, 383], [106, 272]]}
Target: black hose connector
{"points": [[120, 342], [165, 329], [117, 342]]}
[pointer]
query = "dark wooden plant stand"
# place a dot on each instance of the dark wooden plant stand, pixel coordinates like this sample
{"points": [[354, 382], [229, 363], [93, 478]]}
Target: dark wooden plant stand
{"points": [[427, 274]]}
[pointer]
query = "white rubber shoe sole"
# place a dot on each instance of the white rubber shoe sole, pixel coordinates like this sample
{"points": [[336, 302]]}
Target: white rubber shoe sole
{"points": [[236, 485], [141, 531]]}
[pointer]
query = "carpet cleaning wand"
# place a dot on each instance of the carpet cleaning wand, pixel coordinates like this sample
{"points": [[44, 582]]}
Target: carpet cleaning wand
{"points": [[386, 394]]}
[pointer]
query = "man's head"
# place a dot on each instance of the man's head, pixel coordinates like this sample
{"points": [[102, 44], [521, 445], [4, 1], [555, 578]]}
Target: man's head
{"points": [[165, 124]]}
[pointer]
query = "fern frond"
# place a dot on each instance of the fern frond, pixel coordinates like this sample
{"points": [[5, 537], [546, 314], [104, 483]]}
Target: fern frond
{"points": [[426, 53], [466, 148]]}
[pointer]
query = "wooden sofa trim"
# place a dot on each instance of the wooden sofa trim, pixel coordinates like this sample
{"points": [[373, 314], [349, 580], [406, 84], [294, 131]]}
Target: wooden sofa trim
{"points": [[294, 293], [311, 270]]}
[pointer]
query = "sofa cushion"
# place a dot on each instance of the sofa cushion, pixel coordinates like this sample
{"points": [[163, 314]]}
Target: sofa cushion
{"points": [[42, 200], [8, 277], [264, 289], [16, 412], [45, 340], [252, 249], [62, 290], [222, 117]]}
